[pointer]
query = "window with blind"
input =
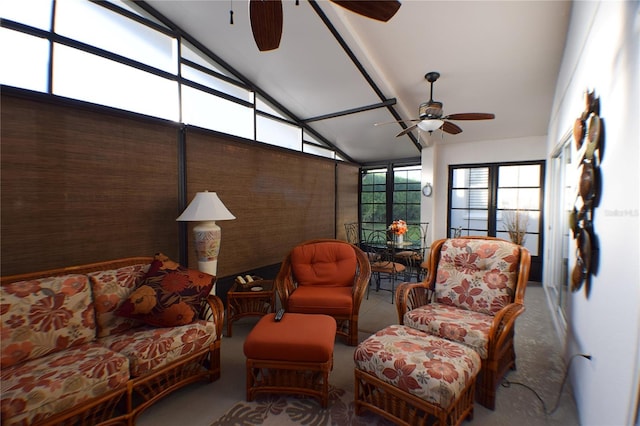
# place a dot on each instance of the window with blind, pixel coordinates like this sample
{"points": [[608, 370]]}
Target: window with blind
{"points": [[500, 200]]}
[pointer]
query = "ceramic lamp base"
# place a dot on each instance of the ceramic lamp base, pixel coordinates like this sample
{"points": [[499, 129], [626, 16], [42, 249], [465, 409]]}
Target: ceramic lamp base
{"points": [[206, 238]]}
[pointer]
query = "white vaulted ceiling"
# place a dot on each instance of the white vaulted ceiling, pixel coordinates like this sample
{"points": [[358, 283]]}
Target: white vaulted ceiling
{"points": [[500, 57]]}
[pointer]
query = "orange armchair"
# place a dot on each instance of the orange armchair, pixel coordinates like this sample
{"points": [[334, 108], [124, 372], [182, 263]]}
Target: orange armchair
{"points": [[473, 293], [325, 277]]}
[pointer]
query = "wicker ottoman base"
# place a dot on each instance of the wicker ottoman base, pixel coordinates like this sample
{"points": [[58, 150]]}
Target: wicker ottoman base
{"points": [[413, 378], [293, 356]]}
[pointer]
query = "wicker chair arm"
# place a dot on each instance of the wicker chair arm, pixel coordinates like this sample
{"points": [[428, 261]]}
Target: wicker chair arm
{"points": [[503, 325], [215, 312], [410, 296], [284, 282], [361, 280]]}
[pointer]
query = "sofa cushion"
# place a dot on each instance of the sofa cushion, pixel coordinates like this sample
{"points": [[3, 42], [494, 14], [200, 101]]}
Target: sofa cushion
{"points": [[477, 275], [110, 289], [459, 325], [169, 295], [150, 348], [42, 387], [321, 300], [324, 264], [46, 315]]}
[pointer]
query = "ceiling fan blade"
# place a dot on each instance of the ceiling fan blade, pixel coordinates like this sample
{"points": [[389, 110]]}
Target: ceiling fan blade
{"points": [[380, 10], [471, 116], [407, 130], [450, 128], [413, 120], [266, 23]]}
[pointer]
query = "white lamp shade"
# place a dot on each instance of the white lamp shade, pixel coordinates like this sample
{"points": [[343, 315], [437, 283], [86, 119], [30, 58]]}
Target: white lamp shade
{"points": [[430, 125], [205, 206]]}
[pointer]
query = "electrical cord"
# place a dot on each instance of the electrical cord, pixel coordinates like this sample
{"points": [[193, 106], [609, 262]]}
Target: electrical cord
{"points": [[507, 383]]}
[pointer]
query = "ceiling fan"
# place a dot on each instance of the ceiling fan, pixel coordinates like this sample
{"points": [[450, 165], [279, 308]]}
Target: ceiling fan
{"points": [[266, 17], [430, 115]]}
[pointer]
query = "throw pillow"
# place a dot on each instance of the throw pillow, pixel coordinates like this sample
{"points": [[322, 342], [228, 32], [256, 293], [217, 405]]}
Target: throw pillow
{"points": [[169, 294]]}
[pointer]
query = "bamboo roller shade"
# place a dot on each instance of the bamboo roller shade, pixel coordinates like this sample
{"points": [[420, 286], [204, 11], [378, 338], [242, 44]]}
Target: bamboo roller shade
{"points": [[280, 198], [80, 185]]}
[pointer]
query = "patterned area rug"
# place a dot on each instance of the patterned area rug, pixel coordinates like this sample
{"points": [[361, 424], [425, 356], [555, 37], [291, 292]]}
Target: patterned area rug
{"points": [[277, 410]]}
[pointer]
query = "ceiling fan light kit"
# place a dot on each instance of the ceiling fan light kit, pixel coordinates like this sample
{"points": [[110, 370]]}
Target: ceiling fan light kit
{"points": [[430, 125]]}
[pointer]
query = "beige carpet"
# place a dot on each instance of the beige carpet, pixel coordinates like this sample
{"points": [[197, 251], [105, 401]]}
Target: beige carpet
{"points": [[539, 360]]}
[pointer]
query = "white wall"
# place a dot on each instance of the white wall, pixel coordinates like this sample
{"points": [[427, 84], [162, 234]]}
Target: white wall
{"points": [[602, 54], [437, 159]]}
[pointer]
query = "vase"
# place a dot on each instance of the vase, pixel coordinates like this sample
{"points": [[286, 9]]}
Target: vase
{"points": [[399, 239]]}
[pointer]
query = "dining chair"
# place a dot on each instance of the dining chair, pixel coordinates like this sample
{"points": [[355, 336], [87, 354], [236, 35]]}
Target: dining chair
{"points": [[352, 229], [381, 253], [414, 254]]}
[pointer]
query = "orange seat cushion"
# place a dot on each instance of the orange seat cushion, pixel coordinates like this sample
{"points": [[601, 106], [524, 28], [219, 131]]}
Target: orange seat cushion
{"points": [[321, 300], [296, 338], [324, 264]]}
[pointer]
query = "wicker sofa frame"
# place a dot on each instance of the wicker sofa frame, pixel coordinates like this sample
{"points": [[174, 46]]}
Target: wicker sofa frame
{"points": [[501, 355], [122, 406]]}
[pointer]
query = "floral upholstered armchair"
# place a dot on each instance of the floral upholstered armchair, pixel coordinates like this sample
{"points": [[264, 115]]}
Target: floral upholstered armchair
{"points": [[473, 293]]}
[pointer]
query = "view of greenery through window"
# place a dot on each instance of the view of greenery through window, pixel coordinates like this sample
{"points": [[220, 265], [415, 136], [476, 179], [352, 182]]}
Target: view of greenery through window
{"points": [[390, 194]]}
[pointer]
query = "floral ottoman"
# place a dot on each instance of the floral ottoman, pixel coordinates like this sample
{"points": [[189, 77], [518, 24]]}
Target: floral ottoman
{"points": [[411, 377]]}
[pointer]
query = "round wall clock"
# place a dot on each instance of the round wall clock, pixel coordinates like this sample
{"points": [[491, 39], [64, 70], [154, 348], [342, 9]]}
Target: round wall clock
{"points": [[427, 190]]}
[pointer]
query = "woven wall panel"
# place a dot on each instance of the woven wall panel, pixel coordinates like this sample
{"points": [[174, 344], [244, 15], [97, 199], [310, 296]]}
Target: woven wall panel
{"points": [[347, 197], [279, 198], [82, 186]]}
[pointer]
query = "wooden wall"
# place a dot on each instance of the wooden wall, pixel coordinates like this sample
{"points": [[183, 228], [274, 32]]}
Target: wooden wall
{"points": [[82, 184]]}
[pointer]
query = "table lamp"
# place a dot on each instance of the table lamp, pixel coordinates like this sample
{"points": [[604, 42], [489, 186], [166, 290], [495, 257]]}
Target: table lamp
{"points": [[206, 208]]}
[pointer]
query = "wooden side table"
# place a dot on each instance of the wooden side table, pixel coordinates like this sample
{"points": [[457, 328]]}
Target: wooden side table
{"points": [[258, 299]]}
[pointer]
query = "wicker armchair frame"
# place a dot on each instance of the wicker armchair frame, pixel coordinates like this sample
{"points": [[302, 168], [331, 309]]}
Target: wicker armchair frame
{"points": [[501, 352], [140, 392], [347, 326]]}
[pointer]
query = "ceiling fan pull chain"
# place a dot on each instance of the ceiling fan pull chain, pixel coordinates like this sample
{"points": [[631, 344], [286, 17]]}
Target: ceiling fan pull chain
{"points": [[231, 12]]}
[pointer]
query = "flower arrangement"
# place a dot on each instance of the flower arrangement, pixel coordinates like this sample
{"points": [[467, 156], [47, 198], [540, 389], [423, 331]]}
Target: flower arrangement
{"points": [[398, 227]]}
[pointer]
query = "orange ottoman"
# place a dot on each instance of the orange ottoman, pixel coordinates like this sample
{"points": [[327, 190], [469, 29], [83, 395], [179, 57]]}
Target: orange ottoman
{"points": [[293, 356]]}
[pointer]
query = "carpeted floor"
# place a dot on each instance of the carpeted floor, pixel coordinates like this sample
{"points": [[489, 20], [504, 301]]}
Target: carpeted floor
{"points": [[539, 361], [280, 410]]}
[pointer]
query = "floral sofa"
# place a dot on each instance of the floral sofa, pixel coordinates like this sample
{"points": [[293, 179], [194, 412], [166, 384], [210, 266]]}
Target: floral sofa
{"points": [[99, 343]]}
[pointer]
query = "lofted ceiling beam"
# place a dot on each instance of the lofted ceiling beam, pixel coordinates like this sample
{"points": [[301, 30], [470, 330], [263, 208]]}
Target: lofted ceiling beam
{"points": [[386, 103], [360, 67]]}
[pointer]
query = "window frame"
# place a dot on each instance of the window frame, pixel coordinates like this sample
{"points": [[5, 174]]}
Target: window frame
{"points": [[210, 65], [389, 171], [493, 209]]}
